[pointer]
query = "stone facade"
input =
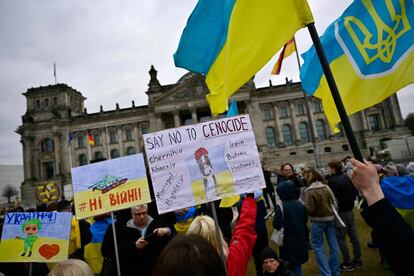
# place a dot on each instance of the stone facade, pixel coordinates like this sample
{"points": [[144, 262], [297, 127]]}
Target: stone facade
{"points": [[278, 115]]}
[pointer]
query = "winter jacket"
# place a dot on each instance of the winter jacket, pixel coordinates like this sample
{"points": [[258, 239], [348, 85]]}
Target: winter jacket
{"points": [[394, 236], [243, 240], [319, 202], [343, 190], [293, 220], [295, 179]]}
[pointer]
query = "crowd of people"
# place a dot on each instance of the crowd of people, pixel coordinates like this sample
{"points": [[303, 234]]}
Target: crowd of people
{"points": [[188, 241]]}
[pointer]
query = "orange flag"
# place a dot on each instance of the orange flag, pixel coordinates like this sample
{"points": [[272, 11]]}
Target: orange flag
{"points": [[287, 50]]}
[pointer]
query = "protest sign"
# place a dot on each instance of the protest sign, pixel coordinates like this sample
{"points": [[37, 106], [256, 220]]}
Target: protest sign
{"points": [[35, 237], [110, 185], [200, 163], [47, 193]]}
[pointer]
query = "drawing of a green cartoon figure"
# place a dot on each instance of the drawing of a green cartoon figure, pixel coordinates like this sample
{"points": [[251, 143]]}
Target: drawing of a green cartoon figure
{"points": [[30, 228]]}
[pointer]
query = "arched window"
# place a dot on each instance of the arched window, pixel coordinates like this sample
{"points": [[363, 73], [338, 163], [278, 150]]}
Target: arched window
{"points": [[287, 134], [114, 153], [130, 151], [97, 139], [270, 137], [128, 134], [300, 108], [318, 106], [80, 142], [112, 137], [320, 129], [82, 160], [304, 132], [267, 112], [47, 145], [283, 111], [98, 155]]}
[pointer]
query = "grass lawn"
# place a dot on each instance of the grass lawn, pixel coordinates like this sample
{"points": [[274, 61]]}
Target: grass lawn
{"points": [[370, 257]]}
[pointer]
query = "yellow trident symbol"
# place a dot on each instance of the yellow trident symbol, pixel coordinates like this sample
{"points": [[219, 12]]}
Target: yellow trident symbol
{"points": [[387, 35]]}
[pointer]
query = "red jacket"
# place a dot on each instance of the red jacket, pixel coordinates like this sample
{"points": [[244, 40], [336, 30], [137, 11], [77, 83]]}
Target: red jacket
{"points": [[243, 240]]}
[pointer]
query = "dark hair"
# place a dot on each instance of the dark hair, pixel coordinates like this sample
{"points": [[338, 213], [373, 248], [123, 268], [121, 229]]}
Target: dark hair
{"points": [[287, 164], [314, 176], [335, 164], [189, 255]]}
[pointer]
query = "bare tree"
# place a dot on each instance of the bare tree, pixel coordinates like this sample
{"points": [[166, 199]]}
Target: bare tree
{"points": [[9, 191]]}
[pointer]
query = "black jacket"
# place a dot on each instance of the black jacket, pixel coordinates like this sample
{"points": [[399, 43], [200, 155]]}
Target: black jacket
{"points": [[394, 236], [295, 179], [132, 260], [343, 190], [295, 239]]}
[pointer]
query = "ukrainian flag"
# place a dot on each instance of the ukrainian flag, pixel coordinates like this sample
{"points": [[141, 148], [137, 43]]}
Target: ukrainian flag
{"points": [[371, 55], [231, 40], [400, 191]]}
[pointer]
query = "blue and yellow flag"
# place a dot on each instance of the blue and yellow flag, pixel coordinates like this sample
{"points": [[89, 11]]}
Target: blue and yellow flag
{"points": [[231, 40], [400, 191], [370, 49]]}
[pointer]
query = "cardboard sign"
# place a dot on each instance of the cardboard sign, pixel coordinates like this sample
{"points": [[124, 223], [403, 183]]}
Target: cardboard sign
{"points": [[47, 193], [195, 164], [35, 237], [110, 185]]}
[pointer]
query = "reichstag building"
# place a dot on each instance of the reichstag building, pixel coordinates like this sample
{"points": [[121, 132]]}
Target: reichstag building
{"points": [[278, 116]]}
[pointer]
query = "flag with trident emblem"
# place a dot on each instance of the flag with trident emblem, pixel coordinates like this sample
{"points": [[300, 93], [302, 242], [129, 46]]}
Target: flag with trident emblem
{"points": [[370, 49]]}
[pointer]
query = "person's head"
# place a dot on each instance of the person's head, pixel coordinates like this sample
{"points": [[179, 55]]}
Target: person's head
{"points": [[71, 267], [31, 227], [390, 169], [205, 227], [347, 159], [270, 260], [64, 206], [287, 169], [334, 167], [314, 176], [139, 215], [187, 256]]}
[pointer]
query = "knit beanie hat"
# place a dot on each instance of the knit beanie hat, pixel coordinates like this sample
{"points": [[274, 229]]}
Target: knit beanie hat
{"points": [[390, 168], [269, 253]]}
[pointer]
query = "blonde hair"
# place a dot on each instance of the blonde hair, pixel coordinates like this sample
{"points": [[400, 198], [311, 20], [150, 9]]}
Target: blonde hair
{"points": [[71, 267], [205, 227]]}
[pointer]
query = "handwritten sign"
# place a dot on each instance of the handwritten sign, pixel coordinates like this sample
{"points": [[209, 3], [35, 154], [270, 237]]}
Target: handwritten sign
{"points": [[110, 185], [47, 193], [195, 164], [35, 237]]}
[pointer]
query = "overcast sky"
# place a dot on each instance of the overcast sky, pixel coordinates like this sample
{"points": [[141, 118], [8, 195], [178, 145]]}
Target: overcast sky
{"points": [[104, 49]]}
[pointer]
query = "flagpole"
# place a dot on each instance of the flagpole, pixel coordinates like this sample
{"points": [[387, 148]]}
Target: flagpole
{"points": [[308, 111], [335, 93], [54, 72]]}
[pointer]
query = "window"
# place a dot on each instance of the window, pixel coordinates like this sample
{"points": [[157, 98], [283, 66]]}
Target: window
{"points": [[300, 108], [47, 145], [130, 151], [373, 121], [114, 153], [46, 102], [327, 149], [98, 155], [48, 171], [287, 134], [80, 142], [128, 135], [267, 113], [97, 139], [270, 137], [112, 137], [188, 121], [318, 106], [304, 132], [82, 160], [320, 129], [283, 111], [341, 130], [37, 103], [144, 130], [345, 147], [55, 101]]}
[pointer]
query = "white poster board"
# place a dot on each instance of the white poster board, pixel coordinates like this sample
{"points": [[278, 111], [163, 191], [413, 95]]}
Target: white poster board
{"points": [[204, 162]]}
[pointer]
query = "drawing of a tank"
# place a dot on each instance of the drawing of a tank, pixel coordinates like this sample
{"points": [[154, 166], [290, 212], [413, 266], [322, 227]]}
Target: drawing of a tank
{"points": [[108, 183]]}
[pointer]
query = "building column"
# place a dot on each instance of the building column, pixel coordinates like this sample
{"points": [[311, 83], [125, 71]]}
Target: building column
{"points": [[364, 120], [382, 121], [176, 118], [295, 128], [194, 117], [136, 135], [105, 143], [58, 153], [120, 141], [279, 133], [27, 157]]}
